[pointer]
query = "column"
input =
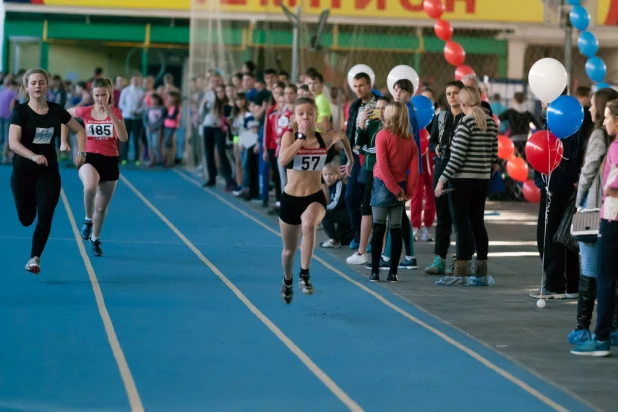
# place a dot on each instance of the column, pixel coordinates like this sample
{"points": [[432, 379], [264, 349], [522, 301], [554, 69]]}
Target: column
{"points": [[44, 56], [4, 51], [516, 58]]}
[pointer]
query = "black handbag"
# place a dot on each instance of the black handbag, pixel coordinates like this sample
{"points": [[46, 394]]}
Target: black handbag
{"points": [[563, 234]]}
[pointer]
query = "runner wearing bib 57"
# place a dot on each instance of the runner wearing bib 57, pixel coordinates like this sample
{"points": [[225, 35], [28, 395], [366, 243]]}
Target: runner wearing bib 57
{"points": [[304, 153], [100, 173]]}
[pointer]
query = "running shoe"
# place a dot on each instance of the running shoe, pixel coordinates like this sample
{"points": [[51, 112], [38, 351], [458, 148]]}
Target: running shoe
{"points": [[375, 277], [392, 277], [86, 230], [306, 286], [408, 264], [287, 292], [592, 348], [34, 265], [96, 247]]}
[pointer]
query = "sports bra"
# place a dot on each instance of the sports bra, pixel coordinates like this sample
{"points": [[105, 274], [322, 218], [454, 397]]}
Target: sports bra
{"points": [[312, 159]]}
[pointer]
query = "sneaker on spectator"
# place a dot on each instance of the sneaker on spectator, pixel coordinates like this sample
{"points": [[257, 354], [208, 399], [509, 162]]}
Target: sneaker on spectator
{"points": [[357, 259], [438, 267], [329, 244], [408, 264], [384, 265], [416, 233], [592, 348], [579, 336], [425, 236], [546, 294], [614, 338], [354, 244]]}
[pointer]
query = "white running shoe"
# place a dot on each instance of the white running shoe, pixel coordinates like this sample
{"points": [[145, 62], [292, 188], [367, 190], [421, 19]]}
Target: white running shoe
{"points": [[357, 259], [34, 265]]}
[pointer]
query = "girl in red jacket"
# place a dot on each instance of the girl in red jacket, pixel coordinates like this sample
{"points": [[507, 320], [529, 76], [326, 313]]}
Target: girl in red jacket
{"points": [[395, 175]]}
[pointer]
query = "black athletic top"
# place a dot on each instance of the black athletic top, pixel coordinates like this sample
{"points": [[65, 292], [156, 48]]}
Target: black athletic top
{"points": [[39, 132], [312, 159]]}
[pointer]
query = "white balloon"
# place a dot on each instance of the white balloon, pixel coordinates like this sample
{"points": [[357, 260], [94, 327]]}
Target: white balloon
{"points": [[547, 79], [402, 72], [360, 68]]}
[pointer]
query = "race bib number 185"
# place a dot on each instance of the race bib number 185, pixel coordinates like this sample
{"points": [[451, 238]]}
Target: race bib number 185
{"points": [[100, 131]]}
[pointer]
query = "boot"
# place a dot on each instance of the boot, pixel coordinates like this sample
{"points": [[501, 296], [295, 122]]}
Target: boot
{"points": [[481, 268], [585, 308], [460, 268], [615, 325], [585, 301]]}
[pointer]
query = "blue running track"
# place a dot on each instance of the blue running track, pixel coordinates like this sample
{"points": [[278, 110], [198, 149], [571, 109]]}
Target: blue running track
{"points": [[183, 313]]}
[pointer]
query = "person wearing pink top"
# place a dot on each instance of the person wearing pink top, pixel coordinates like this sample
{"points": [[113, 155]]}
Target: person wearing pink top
{"points": [[606, 332], [395, 177]]}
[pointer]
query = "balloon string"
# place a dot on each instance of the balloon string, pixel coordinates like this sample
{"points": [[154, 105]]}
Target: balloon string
{"points": [[546, 180]]}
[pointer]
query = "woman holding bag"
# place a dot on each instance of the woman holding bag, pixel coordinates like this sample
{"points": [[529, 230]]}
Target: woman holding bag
{"points": [[607, 248], [589, 196]]}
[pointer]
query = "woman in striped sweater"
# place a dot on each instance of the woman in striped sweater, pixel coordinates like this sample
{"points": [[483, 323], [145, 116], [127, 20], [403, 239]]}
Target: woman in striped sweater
{"points": [[474, 149]]}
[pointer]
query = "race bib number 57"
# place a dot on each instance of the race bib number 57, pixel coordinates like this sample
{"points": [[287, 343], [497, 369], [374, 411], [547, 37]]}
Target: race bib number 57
{"points": [[100, 131], [309, 160]]}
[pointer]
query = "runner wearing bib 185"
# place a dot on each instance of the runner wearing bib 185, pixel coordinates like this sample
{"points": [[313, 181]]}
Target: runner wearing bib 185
{"points": [[304, 153], [104, 128]]}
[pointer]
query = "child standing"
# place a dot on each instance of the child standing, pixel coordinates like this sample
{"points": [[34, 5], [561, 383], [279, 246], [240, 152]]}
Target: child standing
{"points": [[336, 222], [171, 123], [154, 117]]}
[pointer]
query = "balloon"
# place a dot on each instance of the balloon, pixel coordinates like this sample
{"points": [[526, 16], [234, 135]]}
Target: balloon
{"points": [[596, 68], [588, 44], [517, 168], [548, 79], [454, 53], [423, 107], [360, 68], [506, 148], [544, 151], [574, 2], [602, 85], [580, 18], [565, 116], [424, 141], [443, 30], [462, 71], [531, 192], [402, 72], [433, 8]]}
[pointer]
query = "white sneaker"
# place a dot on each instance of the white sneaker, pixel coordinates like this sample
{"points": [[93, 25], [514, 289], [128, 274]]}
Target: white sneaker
{"points": [[34, 265], [357, 259], [330, 244]]}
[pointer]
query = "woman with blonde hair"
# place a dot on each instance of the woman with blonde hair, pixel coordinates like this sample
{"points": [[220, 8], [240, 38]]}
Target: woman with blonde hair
{"points": [[473, 150], [35, 181], [395, 175], [304, 153], [105, 129]]}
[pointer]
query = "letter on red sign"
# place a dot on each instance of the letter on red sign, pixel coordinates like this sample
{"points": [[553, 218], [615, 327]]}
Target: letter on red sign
{"points": [[470, 6], [407, 4], [362, 4]]}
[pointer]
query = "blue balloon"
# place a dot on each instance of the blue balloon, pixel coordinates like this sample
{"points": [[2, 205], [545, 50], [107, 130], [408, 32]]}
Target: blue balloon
{"points": [[565, 116], [596, 69], [423, 107], [601, 85], [588, 44], [580, 18], [574, 2]]}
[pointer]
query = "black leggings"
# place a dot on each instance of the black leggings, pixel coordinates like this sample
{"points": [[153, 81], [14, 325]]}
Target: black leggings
{"points": [[468, 211], [36, 192], [214, 137], [379, 229]]}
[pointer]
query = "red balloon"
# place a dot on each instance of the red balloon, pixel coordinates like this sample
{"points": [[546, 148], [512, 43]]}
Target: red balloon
{"points": [[424, 141], [462, 71], [506, 148], [517, 168], [433, 8], [454, 53], [544, 151], [443, 30], [531, 193]]}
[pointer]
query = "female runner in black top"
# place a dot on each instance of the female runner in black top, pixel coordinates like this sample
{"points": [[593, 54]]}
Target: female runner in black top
{"points": [[304, 152], [35, 180]]}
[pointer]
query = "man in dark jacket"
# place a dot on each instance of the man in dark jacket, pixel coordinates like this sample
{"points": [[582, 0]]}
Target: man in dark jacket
{"points": [[560, 264], [354, 189]]}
